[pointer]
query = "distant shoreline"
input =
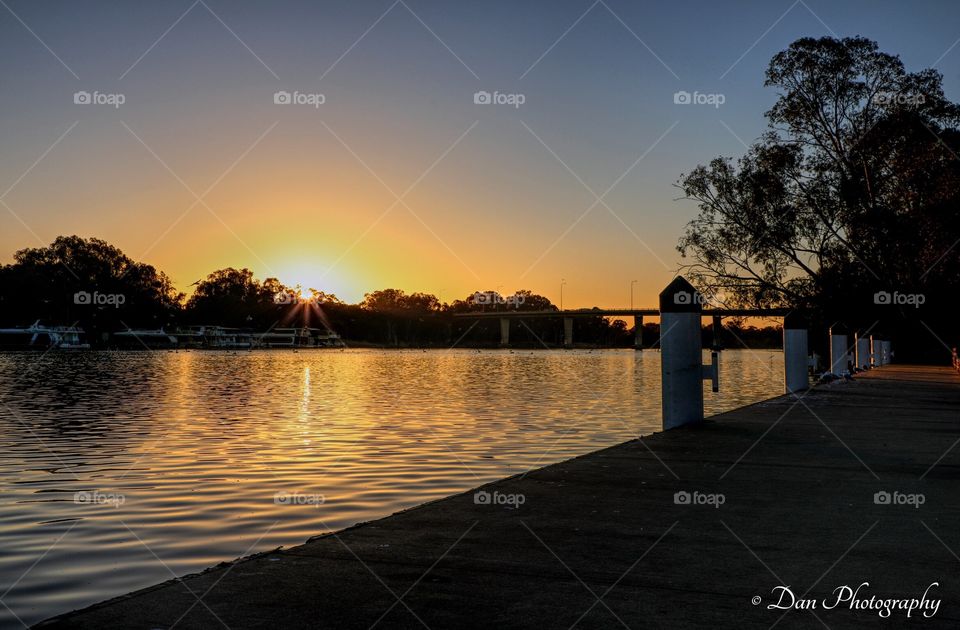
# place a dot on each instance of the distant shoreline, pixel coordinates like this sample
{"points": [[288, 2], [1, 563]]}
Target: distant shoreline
{"points": [[359, 345]]}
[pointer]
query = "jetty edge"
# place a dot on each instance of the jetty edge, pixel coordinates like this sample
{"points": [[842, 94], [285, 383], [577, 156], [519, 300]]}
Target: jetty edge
{"points": [[852, 483]]}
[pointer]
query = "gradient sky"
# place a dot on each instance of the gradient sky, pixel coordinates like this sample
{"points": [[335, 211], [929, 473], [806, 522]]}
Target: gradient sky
{"points": [[309, 194]]}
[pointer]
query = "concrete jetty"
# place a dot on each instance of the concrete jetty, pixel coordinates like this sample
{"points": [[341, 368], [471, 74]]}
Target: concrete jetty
{"points": [[696, 527]]}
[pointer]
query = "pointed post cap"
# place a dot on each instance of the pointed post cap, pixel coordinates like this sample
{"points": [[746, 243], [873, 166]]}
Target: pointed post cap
{"points": [[680, 297], [838, 329]]}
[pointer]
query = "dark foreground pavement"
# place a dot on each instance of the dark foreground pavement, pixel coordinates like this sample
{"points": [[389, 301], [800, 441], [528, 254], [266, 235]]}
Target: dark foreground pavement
{"points": [[601, 541]]}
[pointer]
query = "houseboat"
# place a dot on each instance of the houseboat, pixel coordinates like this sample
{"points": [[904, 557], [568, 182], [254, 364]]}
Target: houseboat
{"points": [[37, 337], [221, 338], [296, 338], [191, 337]]}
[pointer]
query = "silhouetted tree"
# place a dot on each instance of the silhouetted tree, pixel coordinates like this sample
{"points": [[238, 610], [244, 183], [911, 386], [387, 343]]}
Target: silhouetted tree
{"points": [[321, 297], [404, 319], [854, 190], [233, 297], [88, 282]]}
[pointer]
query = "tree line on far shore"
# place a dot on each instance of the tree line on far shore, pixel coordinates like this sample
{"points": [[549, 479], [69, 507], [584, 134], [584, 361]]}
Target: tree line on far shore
{"points": [[90, 283]]}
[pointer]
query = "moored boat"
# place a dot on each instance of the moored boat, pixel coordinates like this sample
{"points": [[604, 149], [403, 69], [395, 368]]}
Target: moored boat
{"points": [[303, 337], [38, 337], [221, 338]]}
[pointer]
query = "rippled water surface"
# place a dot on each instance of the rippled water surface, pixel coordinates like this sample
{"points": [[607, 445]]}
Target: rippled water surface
{"points": [[120, 470]]}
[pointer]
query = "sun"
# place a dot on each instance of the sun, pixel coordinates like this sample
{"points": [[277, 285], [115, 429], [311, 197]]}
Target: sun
{"points": [[312, 278], [301, 280]]}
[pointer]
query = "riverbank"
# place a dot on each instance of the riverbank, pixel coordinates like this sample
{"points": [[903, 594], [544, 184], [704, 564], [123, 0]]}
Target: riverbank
{"points": [[854, 483]]}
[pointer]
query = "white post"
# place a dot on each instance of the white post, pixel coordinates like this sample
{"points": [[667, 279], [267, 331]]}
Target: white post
{"points": [[795, 374], [863, 352], [855, 350], [838, 351], [504, 332], [681, 359], [874, 352], [638, 332]]}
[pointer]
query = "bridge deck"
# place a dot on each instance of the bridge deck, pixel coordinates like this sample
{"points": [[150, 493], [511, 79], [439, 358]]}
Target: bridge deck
{"points": [[599, 540]]}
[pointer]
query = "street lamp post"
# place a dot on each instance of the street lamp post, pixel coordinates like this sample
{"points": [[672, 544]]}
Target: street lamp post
{"points": [[562, 282], [632, 282]]}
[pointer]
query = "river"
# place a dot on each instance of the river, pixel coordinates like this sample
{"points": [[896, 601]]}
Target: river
{"points": [[120, 470]]}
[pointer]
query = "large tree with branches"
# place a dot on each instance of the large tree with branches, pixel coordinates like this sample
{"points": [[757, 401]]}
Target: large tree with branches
{"points": [[854, 189]]}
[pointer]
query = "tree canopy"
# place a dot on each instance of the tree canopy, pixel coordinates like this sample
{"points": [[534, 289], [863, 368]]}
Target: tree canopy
{"points": [[854, 190], [76, 281]]}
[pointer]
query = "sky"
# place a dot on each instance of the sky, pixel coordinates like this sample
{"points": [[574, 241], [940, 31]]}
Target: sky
{"points": [[351, 145]]}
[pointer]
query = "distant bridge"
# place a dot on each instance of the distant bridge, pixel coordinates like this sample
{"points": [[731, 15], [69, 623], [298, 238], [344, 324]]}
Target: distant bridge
{"points": [[717, 314]]}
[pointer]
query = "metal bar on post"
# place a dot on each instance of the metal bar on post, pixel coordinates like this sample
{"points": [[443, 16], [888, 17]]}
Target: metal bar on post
{"points": [[795, 341], [681, 360]]}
